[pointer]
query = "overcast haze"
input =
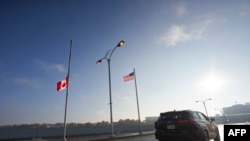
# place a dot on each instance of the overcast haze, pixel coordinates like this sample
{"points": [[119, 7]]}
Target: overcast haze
{"points": [[182, 51]]}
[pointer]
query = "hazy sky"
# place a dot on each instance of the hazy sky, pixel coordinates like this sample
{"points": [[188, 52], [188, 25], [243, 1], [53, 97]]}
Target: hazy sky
{"points": [[182, 51]]}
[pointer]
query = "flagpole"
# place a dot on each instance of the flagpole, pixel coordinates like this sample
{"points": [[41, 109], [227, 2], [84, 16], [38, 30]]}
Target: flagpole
{"points": [[67, 90], [137, 103]]}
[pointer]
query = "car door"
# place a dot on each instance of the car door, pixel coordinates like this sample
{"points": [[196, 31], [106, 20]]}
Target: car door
{"points": [[209, 125]]}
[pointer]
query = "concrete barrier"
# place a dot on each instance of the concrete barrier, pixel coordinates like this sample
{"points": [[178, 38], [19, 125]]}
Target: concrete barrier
{"points": [[12, 133]]}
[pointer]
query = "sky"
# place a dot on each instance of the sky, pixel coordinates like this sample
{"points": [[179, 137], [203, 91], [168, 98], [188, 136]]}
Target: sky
{"points": [[182, 51]]}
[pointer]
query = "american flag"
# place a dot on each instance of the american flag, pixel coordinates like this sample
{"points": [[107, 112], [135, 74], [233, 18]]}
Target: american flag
{"points": [[128, 77]]}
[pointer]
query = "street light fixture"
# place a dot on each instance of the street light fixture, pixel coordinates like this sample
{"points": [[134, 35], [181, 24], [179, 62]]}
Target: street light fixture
{"points": [[204, 103], [108, 57]]}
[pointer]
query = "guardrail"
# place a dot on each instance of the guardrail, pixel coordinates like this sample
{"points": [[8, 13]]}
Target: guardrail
{"points": [[27, 133]]}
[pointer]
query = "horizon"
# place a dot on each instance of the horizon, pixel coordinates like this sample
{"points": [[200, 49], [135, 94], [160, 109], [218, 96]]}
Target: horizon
{"points": [[117, 120]]}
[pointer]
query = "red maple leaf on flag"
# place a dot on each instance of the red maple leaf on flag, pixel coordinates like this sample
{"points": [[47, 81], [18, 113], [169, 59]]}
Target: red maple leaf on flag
{"points": [[63, 84]]}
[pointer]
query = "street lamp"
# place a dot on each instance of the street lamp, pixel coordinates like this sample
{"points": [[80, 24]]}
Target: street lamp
{"points": [[204, 103], [108, 57], [222, 115]]}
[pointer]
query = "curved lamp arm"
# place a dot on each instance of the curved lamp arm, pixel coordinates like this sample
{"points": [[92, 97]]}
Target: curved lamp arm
{"points": [[110, 52]]}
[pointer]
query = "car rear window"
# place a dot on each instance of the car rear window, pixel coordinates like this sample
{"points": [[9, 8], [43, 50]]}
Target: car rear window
{"points": [[174, 115]]}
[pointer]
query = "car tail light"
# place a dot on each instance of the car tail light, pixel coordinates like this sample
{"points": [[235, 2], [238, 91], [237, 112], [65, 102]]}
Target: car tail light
{"points": [[157, 123], [192, 138]]}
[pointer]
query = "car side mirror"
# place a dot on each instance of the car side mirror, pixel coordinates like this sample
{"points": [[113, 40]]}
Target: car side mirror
{"points": [[212, 119]]}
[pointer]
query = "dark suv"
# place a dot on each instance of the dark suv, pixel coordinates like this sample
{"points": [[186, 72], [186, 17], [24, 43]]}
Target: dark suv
{"points": [[185, 125]]}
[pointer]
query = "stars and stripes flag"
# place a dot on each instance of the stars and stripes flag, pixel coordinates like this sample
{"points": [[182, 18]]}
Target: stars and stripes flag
{"points": [[128, 77], [62, 84]]}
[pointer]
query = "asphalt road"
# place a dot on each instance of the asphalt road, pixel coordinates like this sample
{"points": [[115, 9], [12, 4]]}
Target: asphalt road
{"points": [[152, 137], [143, 138], [147, 136], [139, 138]]}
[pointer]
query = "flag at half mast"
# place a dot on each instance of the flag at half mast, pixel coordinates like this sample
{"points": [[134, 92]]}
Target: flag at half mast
{"points": [[63, 84], [128, 77]]}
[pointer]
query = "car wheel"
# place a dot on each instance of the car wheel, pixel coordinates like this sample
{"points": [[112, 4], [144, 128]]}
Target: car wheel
{"points": [[206, 137], [217, 138]]}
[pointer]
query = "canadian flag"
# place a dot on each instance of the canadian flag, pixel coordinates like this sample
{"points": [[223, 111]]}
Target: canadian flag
{"points": [[63, 84]]}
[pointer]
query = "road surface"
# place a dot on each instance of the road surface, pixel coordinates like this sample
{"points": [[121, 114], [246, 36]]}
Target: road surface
{"points": [[152, 137], [147, 136]]}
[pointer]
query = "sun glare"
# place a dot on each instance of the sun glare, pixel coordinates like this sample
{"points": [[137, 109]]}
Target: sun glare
{"points": [[212, 83]]}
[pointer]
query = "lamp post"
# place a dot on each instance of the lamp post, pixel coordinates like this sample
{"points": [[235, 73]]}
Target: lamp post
{"points": [[204, 103], [222, 115], [108, 57]]}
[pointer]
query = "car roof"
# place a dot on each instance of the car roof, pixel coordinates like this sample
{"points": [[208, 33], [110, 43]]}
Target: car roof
{"points": [[178, 111]]}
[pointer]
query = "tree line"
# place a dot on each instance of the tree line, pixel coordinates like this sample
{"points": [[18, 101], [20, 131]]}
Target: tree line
{"points": [[121, 122]]}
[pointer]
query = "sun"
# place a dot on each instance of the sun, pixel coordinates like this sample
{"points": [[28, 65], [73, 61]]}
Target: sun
{"points": [[212, 82]]}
